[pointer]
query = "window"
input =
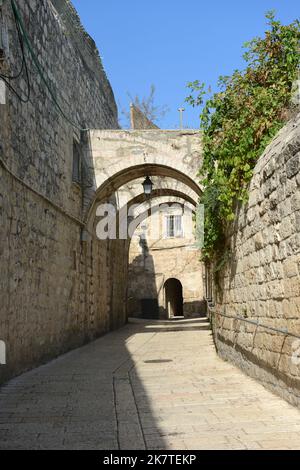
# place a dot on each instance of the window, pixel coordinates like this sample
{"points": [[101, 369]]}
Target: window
{"points": [[174, 226], [76, 177]]}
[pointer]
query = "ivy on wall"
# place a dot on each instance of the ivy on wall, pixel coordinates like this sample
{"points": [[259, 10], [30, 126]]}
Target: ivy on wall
{"points": [[240, 120]]}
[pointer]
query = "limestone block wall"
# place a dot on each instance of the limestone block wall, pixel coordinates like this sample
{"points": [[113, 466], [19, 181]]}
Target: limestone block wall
{"points": [[262, 279], [55, 290]]}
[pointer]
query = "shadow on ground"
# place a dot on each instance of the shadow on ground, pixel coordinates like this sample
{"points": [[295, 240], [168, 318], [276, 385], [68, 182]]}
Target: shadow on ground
{"points": [[87, 399], [151, 385]]}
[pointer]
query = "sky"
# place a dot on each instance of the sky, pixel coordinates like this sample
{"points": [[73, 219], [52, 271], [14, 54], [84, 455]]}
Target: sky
{"points": [[169, 43]]}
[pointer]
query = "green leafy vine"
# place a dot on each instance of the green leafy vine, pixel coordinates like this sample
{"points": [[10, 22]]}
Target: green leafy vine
{"points": [[239, 121]]}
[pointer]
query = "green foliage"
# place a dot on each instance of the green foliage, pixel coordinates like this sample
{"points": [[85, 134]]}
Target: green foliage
{"points": [[240, 120]]}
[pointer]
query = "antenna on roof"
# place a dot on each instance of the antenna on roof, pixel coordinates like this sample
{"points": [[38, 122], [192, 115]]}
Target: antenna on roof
{"points": [[181, 111]]}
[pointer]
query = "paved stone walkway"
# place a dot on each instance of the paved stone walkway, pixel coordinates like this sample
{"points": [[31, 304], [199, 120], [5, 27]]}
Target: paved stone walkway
{"points": [[148, 385]]}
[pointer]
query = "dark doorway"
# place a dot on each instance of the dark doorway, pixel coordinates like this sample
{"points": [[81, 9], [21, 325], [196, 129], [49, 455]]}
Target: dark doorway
{"points": [[174, 298]]}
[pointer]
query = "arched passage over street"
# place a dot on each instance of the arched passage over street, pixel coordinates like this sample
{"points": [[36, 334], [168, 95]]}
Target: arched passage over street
{"points": [[123, 176], [111, 185], [118, 157], [188, 191], [121, 160], [114, 151]]}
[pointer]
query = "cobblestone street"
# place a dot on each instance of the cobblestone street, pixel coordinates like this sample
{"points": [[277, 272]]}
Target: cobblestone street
{"points": [[149, 385]]}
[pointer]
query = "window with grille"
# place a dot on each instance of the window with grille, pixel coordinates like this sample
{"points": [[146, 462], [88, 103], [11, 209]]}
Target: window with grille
{"points": [[174, 226]]}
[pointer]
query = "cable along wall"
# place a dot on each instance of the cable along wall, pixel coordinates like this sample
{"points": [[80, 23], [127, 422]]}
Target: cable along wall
{"points": [[49, 303]]}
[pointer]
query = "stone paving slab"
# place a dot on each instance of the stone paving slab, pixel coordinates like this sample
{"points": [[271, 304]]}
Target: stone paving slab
{"points": [[150, 385]]}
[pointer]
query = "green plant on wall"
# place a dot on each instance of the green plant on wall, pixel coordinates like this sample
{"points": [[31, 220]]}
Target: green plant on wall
{"points": [[240, 120]]}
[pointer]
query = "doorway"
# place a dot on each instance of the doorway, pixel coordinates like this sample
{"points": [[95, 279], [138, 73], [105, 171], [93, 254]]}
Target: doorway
{"points": [[174, 298]]}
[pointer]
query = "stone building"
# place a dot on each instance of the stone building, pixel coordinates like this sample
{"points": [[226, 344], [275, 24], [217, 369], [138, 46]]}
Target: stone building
{"points": [[61, 155], [47, 302]]}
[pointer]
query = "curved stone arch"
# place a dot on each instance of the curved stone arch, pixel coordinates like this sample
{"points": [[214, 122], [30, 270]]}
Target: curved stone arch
{"points": [[146, 205], [131, 169], [135, 161], [112, 184], [162, 193], [140, 199], [115, 150], [143, 212], [161, 185]]}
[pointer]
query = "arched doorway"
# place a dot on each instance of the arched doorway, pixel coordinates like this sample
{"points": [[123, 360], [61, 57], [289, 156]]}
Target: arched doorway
{"points": [[174, 298]]}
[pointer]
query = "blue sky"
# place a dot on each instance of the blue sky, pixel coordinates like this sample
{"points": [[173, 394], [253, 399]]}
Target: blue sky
{"points": [[171, 42]]}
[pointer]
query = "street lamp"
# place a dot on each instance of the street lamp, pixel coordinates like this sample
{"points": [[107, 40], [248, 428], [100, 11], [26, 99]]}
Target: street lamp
{"points": [[148, 186]]}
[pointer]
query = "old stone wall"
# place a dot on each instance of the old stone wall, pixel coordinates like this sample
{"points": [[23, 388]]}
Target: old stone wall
{"points": [[54, 292], [261, 282]]}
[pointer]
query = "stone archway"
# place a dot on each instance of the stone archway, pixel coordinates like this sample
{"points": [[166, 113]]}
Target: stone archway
{"points": [[115, 180], [115, 151], [118, 157], [110, 186], [161, 186], [120, 160]]}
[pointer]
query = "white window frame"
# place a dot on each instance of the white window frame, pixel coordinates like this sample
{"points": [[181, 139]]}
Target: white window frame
{"points": [[177, 231]]}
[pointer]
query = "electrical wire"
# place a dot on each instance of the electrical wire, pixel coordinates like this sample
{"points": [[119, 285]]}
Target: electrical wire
{"points": [[39, 68], [14, 77], [6, 78], [42, 196], [12, 89]]}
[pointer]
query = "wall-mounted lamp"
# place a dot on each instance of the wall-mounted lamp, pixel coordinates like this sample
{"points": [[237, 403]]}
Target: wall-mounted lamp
{"points": [[148, 186]]}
